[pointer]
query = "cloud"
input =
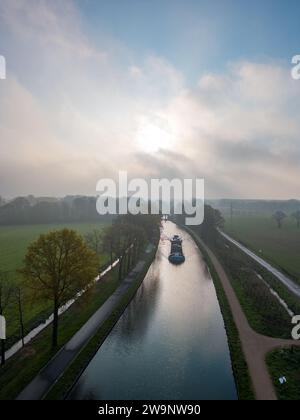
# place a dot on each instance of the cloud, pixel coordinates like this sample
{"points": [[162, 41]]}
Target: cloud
{"points": [[68, 106], [241, 128], [73, 108]]}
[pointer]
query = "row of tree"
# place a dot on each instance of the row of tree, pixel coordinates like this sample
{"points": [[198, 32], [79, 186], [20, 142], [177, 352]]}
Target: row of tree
{"points": [[61, 263], [254, 207], [27, 210], [280, 216], [123, 239], [213, 220]]}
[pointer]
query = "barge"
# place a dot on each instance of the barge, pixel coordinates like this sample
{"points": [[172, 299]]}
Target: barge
{"points": [[176, 254]]}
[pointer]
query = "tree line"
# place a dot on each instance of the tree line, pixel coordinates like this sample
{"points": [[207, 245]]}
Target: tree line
{"points": [[208, 230], [28, 210], [61, 263], [280, 216], [255, 207]]}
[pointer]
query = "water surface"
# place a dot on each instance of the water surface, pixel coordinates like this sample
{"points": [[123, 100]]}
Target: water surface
{"points": [[170, 343]]}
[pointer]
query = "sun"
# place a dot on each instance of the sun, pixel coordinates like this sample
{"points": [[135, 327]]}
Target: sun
{"points": [[151, 138]]}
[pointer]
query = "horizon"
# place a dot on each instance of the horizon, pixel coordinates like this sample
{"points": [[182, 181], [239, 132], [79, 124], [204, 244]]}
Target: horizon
{"points": [[95, 196]]}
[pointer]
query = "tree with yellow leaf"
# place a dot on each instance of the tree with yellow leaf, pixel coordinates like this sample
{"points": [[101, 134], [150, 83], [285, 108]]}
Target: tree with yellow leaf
{"points": [[57, 266]]}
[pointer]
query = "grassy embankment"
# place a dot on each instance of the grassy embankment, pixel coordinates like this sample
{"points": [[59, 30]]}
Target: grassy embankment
{"points": [[285, 362], [64, 384], [24, 365], [14, 241], [281, 248], [261, 234], [262, 309], [239, 364]]}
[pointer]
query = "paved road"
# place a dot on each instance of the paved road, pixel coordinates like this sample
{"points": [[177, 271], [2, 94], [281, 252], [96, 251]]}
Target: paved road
{"points": [[42, 383], [255, 346], [290, 284]]}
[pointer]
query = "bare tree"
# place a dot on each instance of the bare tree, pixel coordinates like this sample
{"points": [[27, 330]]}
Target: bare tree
{"points": [[279, 216], [296, 216], [108, 244], [6, 291], [120, 243], [124, 239], [19, 298], [94, 241]]}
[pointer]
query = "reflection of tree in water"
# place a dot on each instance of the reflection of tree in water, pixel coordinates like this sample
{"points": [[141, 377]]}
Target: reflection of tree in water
{"points": [[193, 251], [90, 396], [135, 321]]}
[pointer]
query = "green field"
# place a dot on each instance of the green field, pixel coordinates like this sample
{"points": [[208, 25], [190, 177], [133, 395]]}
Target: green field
{"points": [[285, 362], [14, 241], [261, 234]]}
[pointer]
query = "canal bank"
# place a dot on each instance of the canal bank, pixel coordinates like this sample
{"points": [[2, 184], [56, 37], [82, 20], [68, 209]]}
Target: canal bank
{"points": [[97, 326], [170, 342], [255, 346]]}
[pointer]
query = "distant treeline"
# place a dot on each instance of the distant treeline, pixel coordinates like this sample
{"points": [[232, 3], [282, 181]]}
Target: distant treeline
{"points": [[227, 206], [31, 210]]}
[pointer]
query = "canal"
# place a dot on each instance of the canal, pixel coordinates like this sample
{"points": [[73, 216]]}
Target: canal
{"points": [[170, 343]]}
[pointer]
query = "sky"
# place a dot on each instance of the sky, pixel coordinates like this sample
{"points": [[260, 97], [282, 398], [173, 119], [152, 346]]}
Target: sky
{"points": [[160, 89]]}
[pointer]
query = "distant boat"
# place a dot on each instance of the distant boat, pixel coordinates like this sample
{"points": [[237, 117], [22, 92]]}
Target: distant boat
{"points": [[176, 254]]}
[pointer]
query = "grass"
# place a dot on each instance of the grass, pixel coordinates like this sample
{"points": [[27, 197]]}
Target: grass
{"points": [[261, 234], [61, 388], [285, 362], [22, 368], [239, 364], [14, 241]]}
